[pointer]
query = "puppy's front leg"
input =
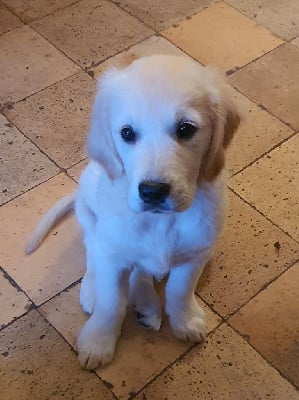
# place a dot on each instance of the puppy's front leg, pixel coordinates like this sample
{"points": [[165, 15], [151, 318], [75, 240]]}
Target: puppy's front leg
{"points": [[97, 339], [186, 317]]}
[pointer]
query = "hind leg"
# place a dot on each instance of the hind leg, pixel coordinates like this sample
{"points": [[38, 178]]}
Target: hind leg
{"points": [[145, 300]]}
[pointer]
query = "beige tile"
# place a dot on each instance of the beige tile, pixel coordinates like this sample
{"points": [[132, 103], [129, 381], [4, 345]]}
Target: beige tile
{"points": [[13, 301], [76, 170], [280, 17], [152, 45], [29, 10], [271, 185], [57, 118], [273, 81], [28, 64], [22, 165], [222, 36], [87, 32], [8, 20], [245, 260], [153, 12], [37, 364], [257, 134], [141, 353], [226, 368], [270, 321], [60, 259], [295, 42]]}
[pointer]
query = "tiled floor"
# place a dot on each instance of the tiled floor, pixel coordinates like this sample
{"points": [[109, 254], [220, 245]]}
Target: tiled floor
{"points": [[50, 52]]}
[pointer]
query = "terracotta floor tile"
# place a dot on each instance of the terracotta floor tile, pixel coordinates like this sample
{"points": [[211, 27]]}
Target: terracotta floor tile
{"points": [[226, 368], [136, 359], [76, 170], [28, 64], [57, 118], [222, 36], [271, 185], [154, 14], [273, 81], [280, 17], [60, 259], [29, 10], [149, 46], [271, 323], [245, 260], [257, 134], [295, 42], [37, 364], [8, 20], [13, 302], [87, 33], [20, 170]]}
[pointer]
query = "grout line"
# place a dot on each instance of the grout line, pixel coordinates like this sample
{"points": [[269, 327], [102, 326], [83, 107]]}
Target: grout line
{"points": [[269, 363], [261, 106], [258, 23], [261, 213], [262, 289], [75, 352], [177, 359], [275, 146]]}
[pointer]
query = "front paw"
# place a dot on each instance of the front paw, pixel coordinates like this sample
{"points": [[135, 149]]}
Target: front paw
{"points": [[95, 346], [189, 325]]}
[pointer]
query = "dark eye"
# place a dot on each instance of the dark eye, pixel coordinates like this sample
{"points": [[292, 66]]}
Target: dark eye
{"points": [[128, 135], [185, 130]]}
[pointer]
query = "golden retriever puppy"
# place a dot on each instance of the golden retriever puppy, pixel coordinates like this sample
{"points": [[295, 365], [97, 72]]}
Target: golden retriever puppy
{"points": [[152, 200]]}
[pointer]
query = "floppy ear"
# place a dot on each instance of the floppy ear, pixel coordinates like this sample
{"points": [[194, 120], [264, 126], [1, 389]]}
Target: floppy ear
{"points": [[224, 119], [100, 145]]}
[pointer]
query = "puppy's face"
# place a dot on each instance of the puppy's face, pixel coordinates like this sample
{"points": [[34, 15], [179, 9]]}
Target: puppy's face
{"points": [[160, 118]]}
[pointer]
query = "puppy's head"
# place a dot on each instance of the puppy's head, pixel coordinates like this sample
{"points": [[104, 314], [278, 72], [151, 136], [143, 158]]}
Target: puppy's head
{"points": [[164, 122]]}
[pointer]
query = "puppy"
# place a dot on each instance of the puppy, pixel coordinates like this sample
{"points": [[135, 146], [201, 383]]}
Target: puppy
{"points": [[151, 201]]}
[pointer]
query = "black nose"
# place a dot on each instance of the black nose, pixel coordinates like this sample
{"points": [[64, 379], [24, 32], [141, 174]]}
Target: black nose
{"points": [[153, 192]]}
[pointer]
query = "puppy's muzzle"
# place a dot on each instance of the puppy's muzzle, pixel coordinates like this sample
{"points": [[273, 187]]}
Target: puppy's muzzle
{"points": [[153, 193]]}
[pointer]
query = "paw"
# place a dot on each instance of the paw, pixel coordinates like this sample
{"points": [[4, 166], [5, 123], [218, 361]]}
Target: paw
{"points": [[190, 325], [149, 320], [87, 293], [95, 347]]}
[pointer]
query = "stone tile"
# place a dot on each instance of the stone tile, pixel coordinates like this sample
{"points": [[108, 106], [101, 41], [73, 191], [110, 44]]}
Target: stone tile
{"points": [[257, 134], [271, 185], [222, 36], [87, 33], [8, 20], [13, 302], [29, 63], [270, 321], [152, 45], [295, 42], [280, 17], [76, 170], [225, 368], [136, 359], [30, 10], [59, 261], [153, 12], [272, 81], [57, 118], [245, 260], [22, 165], [37, 364]]}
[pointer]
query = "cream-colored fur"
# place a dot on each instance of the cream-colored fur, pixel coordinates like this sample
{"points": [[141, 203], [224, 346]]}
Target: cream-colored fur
{"points": [[133, 236]]}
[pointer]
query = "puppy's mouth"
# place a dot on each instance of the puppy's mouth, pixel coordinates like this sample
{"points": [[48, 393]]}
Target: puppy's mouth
{"points": [[158, 209]]}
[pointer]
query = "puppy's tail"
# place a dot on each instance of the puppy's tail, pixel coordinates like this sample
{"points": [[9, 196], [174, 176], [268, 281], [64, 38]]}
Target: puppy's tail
{"points": [[52, 216]]}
